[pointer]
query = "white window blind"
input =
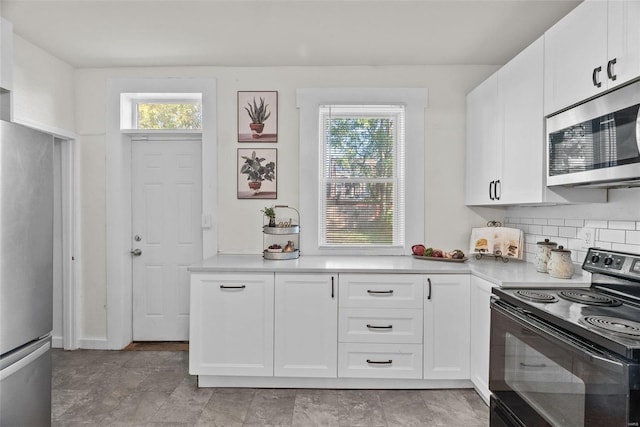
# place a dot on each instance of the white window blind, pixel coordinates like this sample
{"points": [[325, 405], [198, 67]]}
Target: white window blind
{"points": [[362, 170]]}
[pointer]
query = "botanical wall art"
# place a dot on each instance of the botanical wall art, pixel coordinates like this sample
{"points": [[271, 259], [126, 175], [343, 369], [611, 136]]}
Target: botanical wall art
{"points": [[257, 173], [258, 116]]}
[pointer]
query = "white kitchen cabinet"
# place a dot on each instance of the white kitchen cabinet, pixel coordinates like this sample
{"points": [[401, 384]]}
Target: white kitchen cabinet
{"points": [[306, 325], [482, 136], [380, 326], [505, 162], [592, 49], [373, 325], [393, 361], [446, 326], [231, 324], [480, 334], [623, 40], [381, 290], [505, 138]]}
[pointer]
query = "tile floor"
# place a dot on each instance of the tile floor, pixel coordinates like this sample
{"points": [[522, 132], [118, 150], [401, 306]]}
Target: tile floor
{"points": [[148, 388]]}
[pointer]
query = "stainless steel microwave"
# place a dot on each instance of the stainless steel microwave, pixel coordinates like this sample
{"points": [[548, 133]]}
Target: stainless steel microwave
{"points": [[597, 143]]}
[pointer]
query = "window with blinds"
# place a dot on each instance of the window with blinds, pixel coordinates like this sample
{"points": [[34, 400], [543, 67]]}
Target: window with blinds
{"points": [[361, 185]]}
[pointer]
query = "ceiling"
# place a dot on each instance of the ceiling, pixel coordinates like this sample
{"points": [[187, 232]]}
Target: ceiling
{"points": [[117, 33]]}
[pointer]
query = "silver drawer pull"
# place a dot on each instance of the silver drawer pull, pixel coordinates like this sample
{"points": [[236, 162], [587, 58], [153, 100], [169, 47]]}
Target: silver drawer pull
{"points": [[232, 286], [380, 362], [380, 327], [389, 292]]}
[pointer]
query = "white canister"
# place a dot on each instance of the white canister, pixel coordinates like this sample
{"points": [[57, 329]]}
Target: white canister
{"points": [[543, 253], [560, 265]]}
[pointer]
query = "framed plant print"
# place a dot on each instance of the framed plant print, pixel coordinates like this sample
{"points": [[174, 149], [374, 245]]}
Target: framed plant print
{"points": [[258, 116], [257, 173]]}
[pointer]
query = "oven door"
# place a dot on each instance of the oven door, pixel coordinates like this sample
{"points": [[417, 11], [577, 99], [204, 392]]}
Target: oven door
{"points": [[541, 376]]}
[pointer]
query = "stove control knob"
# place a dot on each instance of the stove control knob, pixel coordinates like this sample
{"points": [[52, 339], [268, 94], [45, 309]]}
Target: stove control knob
{"points": [[608, 261], [595, 259]]}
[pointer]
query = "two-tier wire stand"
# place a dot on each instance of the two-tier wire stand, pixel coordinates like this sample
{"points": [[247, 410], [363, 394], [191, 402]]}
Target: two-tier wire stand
{"points": [[283, 240]]}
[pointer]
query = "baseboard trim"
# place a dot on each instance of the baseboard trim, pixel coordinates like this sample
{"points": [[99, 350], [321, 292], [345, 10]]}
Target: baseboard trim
{"points": [[93, 343], [57, 342], [350, 383]]}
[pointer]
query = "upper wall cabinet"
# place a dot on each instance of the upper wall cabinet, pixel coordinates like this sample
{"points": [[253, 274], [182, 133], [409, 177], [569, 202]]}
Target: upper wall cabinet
{"points": [[505, 134], [594, 48], [505, 138], [6, 54]]}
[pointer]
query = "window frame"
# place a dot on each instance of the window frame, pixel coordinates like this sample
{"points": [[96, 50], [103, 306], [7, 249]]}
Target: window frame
{"points": [[129, 108], [309, 101], [397, 179]]}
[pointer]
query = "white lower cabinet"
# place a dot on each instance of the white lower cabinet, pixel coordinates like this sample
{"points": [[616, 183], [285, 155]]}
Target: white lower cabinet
{"points": [[446, 326], [364, 360], [480, 334], [380, 327], [306, 325], [231, 324], [374, 325], [320, 329]]}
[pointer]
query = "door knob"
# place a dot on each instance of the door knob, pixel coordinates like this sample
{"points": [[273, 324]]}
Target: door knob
{"points": [[136, 252]]}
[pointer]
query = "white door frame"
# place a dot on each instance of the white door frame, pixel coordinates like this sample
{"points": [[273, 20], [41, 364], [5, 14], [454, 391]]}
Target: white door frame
{"points": [[70, 212], [118, 192], [70, 304]]}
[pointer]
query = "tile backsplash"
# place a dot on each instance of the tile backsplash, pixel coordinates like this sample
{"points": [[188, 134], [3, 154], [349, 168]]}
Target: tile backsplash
{"points": [[570, 233]]}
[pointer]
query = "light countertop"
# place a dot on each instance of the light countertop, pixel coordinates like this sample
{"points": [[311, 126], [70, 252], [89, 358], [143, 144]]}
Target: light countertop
{"points": [[510, 274]]}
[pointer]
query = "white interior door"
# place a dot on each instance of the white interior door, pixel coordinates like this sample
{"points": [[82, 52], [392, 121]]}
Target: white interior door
{"points": [[166, 208]]}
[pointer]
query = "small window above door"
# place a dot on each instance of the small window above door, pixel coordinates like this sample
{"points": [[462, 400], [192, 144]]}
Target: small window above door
{"points": [[161, 111]]}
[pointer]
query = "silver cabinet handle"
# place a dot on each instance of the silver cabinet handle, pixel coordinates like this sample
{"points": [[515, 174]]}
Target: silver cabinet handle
{"points": [[380, 362], [389, 292], [136, 252], [380, 327], [232, 286]]}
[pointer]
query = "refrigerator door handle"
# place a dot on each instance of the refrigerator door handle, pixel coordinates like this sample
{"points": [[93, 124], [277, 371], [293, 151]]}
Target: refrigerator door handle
{"points": [[15, 367]]}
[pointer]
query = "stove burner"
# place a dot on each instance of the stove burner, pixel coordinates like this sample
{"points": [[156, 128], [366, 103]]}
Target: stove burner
{"points": [[589, 298], [623, 327], [536, 296]]}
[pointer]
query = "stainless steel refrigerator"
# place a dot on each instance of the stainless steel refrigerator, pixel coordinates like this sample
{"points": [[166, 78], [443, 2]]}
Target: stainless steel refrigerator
{"points": [[26, 275]]}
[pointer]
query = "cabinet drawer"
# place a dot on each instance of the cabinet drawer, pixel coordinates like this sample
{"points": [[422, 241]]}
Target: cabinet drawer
{"points": [[381, 290], [380, 325], [379, 360]]}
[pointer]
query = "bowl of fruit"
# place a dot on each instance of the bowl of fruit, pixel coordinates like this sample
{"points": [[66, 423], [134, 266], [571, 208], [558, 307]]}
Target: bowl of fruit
{"points": [[428, 253]]}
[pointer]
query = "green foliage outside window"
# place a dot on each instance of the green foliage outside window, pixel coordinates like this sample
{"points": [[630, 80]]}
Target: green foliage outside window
{"points": [[169, 116], [359, 206]]}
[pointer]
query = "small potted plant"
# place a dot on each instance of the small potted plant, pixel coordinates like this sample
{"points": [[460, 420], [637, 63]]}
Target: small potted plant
{"points": [[257, 172], [258, 113], [270, 212]]}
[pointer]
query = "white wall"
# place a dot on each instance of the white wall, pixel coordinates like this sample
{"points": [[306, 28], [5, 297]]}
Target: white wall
{"points": [[447, 221], [43, 89]]}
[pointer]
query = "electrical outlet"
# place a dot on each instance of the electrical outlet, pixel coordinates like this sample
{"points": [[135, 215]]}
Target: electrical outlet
{"points": [[587, 237]]}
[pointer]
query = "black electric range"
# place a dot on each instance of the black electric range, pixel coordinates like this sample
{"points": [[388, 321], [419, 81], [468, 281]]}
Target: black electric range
{"points": [[569, 356], [607, 313]]}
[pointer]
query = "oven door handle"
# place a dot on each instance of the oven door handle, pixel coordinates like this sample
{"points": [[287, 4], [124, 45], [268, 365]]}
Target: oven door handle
{"points": [[558, 337]]}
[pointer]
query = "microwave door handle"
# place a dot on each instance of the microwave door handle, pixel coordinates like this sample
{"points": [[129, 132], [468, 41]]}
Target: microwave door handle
{"points": [[638, 130]]}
